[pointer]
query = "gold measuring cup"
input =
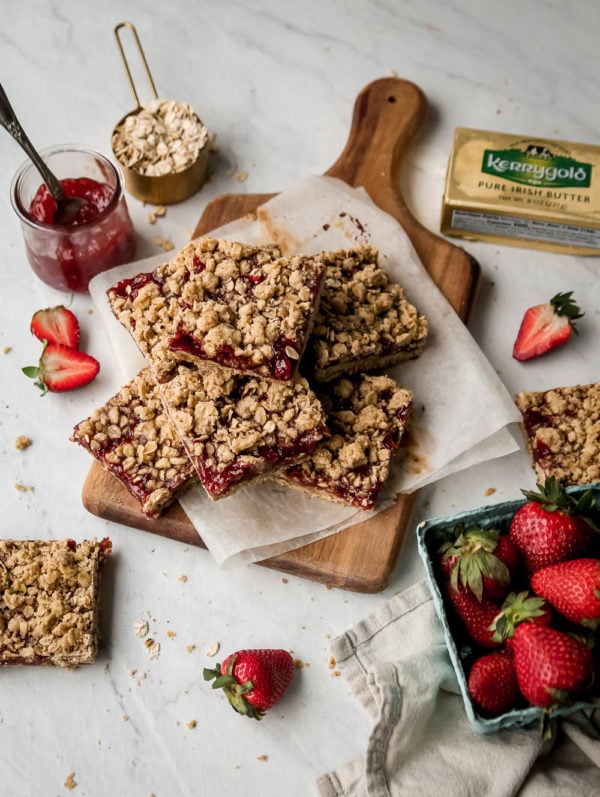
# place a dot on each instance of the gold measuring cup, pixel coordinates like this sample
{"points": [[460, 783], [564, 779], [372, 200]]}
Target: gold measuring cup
{"points": [[164, 189]]}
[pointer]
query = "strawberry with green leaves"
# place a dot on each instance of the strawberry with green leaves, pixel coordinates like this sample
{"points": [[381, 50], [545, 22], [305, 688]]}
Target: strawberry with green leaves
{"points": [[553, 668], [546, 326], [519, 607], [492, 683], [553, 526], [61, 368], [573, 588], [481, 561], [56, 325], [253, 680]]}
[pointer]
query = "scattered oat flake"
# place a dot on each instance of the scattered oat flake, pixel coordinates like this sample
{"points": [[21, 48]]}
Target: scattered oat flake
{"points": [[160, 210], [332, 663], [328, 586], [153, 648], [191, 724], [241, 176], [262, 757], [22, 442], [151, 218], [213, 649], [24, 488], [182, 578], [70, 782], [490, 491], [141, 628], [164, 243]]}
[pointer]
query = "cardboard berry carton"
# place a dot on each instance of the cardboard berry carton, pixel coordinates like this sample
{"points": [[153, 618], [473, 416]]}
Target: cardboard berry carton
{"points": [[431, 534]]}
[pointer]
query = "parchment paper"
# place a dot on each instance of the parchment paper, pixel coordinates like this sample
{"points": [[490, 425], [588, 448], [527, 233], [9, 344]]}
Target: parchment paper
{"points": [[462, 411]]}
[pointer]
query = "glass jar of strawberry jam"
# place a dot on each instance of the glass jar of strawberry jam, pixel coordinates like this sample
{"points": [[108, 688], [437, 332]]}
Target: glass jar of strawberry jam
{"points": [[100, 236]]}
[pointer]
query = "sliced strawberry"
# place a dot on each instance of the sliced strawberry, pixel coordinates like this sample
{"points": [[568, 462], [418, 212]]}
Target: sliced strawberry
{"points": [[61, 368], [546, 326], [56, 325]]}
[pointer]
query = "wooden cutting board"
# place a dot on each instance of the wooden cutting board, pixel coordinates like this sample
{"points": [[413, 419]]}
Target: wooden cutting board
{"points": [[387, 116]]}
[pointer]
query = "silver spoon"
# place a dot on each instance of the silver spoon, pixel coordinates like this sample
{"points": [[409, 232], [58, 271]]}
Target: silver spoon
{"points": [[66, 207]]}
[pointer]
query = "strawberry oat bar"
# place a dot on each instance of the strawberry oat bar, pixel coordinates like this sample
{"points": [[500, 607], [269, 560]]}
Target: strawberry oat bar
{"points": [[131, 437], [49, 601], [237, 306], [237, 427], [562, 432], [364, 321], [367, 416]]}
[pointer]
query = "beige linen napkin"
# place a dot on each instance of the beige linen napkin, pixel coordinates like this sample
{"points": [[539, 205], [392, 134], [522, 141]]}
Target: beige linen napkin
{"points": [[421, 743]]}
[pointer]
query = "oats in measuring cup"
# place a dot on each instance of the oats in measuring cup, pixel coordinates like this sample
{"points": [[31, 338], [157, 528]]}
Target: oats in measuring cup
{"points": [[164, 137]]}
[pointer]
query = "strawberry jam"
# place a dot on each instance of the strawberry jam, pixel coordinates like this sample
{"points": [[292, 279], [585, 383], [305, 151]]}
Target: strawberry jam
{"points": [[99, 237]]}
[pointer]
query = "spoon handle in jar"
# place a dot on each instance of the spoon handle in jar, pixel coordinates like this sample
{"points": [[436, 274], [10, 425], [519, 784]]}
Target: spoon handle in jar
{"points": [[9, 121]]}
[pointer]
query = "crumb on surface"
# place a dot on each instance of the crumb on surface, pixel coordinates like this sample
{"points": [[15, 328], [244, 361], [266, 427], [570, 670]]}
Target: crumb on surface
{"points": [[490, 491], [213, 649], [141, 628], [284, 580], [70, 782], [262, 757], [241, 176], [336, 674], [6, 349], [24, 488], [171, 634], [183, 579], [165, 243], [22, 442], [190, 648], [191, 724], [331, 663], [298, 664]]}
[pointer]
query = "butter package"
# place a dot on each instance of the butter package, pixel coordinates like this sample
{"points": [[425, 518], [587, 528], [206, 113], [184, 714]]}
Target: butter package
{"points": [[532, 192]]}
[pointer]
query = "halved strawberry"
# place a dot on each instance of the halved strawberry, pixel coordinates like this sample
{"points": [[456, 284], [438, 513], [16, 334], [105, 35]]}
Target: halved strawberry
{"points": [[546, 326], [56, 325], [61, 368]]}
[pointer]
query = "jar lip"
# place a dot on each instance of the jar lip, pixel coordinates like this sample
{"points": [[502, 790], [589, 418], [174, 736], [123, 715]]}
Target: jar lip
{"points": [[27, 166]]}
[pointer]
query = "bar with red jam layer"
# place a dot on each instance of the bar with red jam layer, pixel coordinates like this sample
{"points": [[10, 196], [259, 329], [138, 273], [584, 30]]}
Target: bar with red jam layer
{"points": [[237, 427], [562, 432], [240, 307], [367, 416], [132, 437], [49, 595]]}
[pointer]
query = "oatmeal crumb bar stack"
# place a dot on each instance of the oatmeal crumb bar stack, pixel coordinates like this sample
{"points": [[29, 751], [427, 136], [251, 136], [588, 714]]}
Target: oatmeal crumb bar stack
{"points": [[233, 305], [367, 415], [562, 432], [364, 321], [132, 437], [49, 601], [237, 427]]}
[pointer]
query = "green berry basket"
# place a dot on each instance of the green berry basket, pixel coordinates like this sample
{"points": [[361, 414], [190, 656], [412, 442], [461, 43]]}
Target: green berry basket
{"points": [[430, 533]]}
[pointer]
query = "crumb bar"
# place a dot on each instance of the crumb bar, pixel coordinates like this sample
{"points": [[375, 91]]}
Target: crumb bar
{"points": [[238, 427], [367, 416], [562, 432], [364, 321], [49, 601], [132, 437], [234, 305]]}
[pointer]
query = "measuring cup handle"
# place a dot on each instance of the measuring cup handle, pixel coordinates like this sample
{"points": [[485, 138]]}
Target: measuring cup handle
{"points": [[131, 27]]}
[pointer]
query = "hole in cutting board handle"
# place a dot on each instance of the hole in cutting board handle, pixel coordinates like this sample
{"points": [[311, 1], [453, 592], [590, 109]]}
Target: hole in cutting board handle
{"points": [[391, 98]]}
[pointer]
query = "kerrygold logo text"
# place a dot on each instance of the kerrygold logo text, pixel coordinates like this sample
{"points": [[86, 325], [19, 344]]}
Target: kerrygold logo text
{"points": [[546, 170]]}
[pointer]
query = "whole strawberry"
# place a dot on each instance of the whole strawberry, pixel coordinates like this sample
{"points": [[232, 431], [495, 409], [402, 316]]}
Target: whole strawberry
{"points": [[493, 683], [253, 680], [480, 560], [521, 607], [573, 588], [553, 668], [552, 526], [546, 326], [476, 617]]}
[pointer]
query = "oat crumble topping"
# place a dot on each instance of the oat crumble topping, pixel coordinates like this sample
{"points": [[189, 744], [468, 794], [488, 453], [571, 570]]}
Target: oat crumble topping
{"points": [[237, 427], [364, 320], [367, 416], [239, 306], [49, 601], [562, 432], [131, 436], [22, 442]]}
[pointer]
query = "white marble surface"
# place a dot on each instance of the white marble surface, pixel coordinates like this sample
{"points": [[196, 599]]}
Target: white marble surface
{"points": [[276, 82]]}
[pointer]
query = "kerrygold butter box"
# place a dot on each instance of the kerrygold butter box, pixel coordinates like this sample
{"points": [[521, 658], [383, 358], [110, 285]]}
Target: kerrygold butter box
{"points": [[532, 192]]}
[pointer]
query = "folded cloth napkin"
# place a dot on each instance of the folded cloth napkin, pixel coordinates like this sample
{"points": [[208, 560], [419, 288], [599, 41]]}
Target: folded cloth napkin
{"points": [[421, 743]]}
